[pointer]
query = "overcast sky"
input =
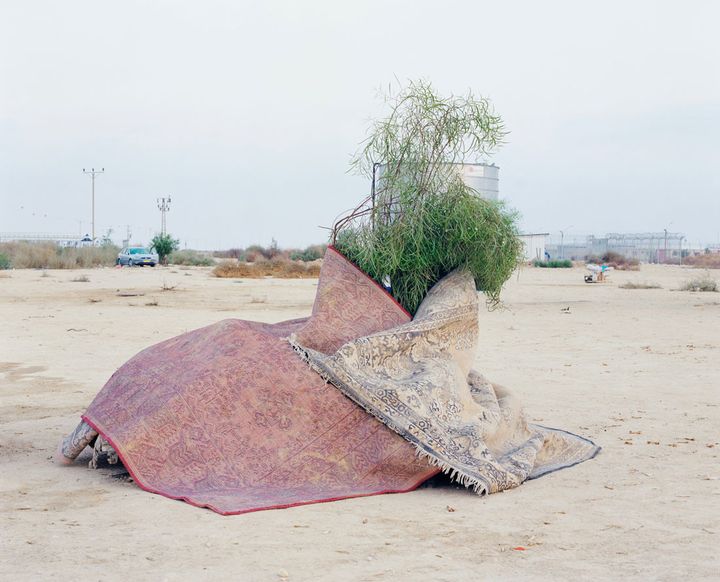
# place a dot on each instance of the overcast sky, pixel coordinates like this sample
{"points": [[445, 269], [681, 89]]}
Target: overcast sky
{"points": [[247, 113]]}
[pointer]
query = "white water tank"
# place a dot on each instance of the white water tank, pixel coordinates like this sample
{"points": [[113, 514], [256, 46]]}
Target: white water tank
{"points": [[483, 178]]}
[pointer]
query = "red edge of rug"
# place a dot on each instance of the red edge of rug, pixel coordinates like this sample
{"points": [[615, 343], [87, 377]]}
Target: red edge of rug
{"points": [[369, 278], [149, 489]]}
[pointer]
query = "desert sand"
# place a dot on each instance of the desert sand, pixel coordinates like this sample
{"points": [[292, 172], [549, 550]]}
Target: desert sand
{"points": [[638, 371]]}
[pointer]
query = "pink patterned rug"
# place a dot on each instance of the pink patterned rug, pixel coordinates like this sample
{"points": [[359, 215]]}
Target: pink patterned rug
{"points": [[229, 417]]}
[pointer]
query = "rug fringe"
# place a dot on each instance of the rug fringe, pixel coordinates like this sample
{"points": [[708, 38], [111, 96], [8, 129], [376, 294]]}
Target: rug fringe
{"points": [[454, 473]]}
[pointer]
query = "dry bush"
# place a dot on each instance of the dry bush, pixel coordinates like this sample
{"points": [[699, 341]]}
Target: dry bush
{"points": [[311, 253], [256, 253], [631, 285], [192, 258], [615, 260], [80, 279], [706, 261], [238, 254], [704, 283], [280, 268], [42, 255]]}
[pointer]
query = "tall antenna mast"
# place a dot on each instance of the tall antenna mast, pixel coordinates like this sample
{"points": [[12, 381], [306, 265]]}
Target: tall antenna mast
{"points": [[164, 207], [92, 172]]}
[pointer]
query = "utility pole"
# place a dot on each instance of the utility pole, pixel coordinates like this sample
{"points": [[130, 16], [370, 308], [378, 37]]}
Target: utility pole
{"points": [[562, 241], [92, 172], [164, 207]]}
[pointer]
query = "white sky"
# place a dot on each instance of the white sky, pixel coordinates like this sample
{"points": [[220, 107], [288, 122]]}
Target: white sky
{"points": [[247, 113]]}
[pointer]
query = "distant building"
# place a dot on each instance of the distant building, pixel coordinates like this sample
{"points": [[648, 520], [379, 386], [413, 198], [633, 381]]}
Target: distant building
{"points": [[647, 247], [534, 245]]}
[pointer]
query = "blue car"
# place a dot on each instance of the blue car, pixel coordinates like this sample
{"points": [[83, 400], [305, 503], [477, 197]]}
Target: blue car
{"points": [[137, 256]]}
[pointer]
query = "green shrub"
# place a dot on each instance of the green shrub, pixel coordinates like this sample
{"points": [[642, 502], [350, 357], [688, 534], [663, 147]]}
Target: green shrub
{"points": [[450, 230], [164, 245], [422, 221], [4, 262], [553, 264]]}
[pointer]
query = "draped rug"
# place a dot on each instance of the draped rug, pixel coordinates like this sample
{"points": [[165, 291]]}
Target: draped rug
{"points": [[417, 379], [230, 418]]}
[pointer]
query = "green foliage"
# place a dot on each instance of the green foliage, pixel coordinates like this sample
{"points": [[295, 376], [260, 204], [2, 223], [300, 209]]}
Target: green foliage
{"points": [[452, 230], [4, 262], [164, 245], [422, 221], [553, 264]]}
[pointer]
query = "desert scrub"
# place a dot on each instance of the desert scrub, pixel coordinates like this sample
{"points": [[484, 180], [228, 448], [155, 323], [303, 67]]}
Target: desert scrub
{"points": [[279, 267], [705, 283], [615, 260], [632, 285], [191, 258], [164, 245], [705, 261], [553, 264], [45, 255], [421, 221], [311, 253]]}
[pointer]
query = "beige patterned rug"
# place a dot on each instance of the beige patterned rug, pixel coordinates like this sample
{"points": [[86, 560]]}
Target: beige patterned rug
{"points": [[417, 379]]}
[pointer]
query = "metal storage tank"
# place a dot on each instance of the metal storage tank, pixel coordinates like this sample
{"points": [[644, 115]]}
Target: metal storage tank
{"points": [[483, 178]]}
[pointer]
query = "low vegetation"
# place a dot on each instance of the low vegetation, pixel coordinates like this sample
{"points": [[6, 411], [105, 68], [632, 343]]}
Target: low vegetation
{"points": [[255, 253], [421, 220], [633, 285], [704, 283], [164, 245], [47, 255], [277, 267], [615, 260], [706, 261], [4, 262], [191, 258], [553, 264]]}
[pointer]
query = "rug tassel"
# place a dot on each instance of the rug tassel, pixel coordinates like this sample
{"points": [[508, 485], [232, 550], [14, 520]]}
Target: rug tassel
{"points": [[455, 474]]}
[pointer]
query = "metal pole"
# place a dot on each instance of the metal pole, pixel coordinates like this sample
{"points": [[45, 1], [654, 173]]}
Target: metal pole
{"points": [[163, 206], [562, 241], [93, 206], [92, 174]]}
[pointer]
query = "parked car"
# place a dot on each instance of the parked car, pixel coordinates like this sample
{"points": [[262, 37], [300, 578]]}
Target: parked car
{"points": [[137, 256]]}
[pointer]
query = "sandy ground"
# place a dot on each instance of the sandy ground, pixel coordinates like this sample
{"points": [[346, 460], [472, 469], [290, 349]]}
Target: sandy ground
{"points": [[636, 370]]}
